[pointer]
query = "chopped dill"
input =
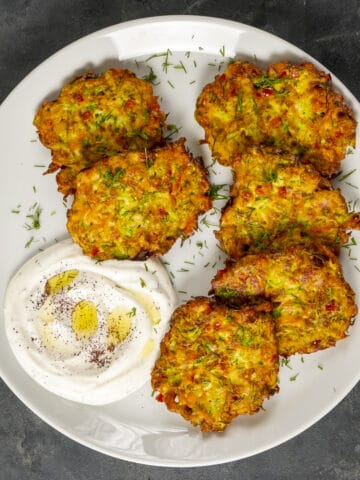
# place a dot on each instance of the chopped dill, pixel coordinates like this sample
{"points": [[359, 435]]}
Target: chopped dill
{"points": [[34, 218], [172, 130], [29, 242], [180, 66], [151, 77], [345, 175], [215, 194], [285, 362]]}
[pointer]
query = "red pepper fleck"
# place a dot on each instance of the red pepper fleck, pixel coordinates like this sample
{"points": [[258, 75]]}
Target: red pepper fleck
{"points": [[78, 97], [259, 189], [86, 115], [275, 122], [233, 91], [222, 77], [282, 192], [130, 103], [220, 273], [162, 211], [94, 251], [267, 92], [282, 74], [331, 306], [160, 397]]}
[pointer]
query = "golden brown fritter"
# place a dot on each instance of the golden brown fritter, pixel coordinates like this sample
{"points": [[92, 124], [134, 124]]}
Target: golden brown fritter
{"points": [[290, 106], [97, 116], [277, 201], [313, 305], [217, 362], [137, 204]]}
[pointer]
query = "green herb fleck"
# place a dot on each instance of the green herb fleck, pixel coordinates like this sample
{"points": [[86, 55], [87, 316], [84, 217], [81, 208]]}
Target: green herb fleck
{"points": [[132, 312], [285, 362], [34, 218], [112, 177], [346, 175], [180, 66], [29, 242], [151, 77], [214, 192]]}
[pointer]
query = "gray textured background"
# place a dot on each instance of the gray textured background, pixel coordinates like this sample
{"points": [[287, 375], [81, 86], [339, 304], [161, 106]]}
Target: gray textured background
{"points": [[30, 31]]}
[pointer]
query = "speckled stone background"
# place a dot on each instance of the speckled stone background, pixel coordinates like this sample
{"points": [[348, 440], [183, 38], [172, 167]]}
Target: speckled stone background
{"points": [[32, 30]]}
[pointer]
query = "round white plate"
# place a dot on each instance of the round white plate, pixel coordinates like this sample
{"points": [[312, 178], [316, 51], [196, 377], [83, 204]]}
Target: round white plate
{"points": [[184, 53]]}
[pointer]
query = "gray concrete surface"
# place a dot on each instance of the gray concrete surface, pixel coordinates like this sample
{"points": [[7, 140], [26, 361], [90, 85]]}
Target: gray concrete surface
{"points": [[30, 31]]}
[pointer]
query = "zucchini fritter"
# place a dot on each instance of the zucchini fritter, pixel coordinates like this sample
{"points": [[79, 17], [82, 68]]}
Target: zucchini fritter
{"points": [[277, 202], [97, 116], [290, 106], [313, 305], [137, 204], [217, 362]]}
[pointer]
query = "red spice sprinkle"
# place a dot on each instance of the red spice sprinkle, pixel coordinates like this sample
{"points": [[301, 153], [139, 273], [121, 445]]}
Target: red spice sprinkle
{"points": [[282, 192], [78, 97], [86, 115], [267, 92], [94, 251], [331, 306], [221, 273], [130, 103], [233, 91], [160, 397], [222, 77], [282, 74]]}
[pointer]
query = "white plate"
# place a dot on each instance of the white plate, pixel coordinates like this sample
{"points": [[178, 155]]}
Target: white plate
{"points": [[138, 428]]}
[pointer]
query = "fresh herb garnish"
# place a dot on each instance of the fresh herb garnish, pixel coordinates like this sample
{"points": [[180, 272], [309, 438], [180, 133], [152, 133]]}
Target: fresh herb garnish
{"points": [[34, 218], [113, 177], [151, 77], [215, 194]]}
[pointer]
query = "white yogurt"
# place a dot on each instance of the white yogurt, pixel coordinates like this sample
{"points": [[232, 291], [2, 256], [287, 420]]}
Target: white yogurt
{"points": [[88, 331]]}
